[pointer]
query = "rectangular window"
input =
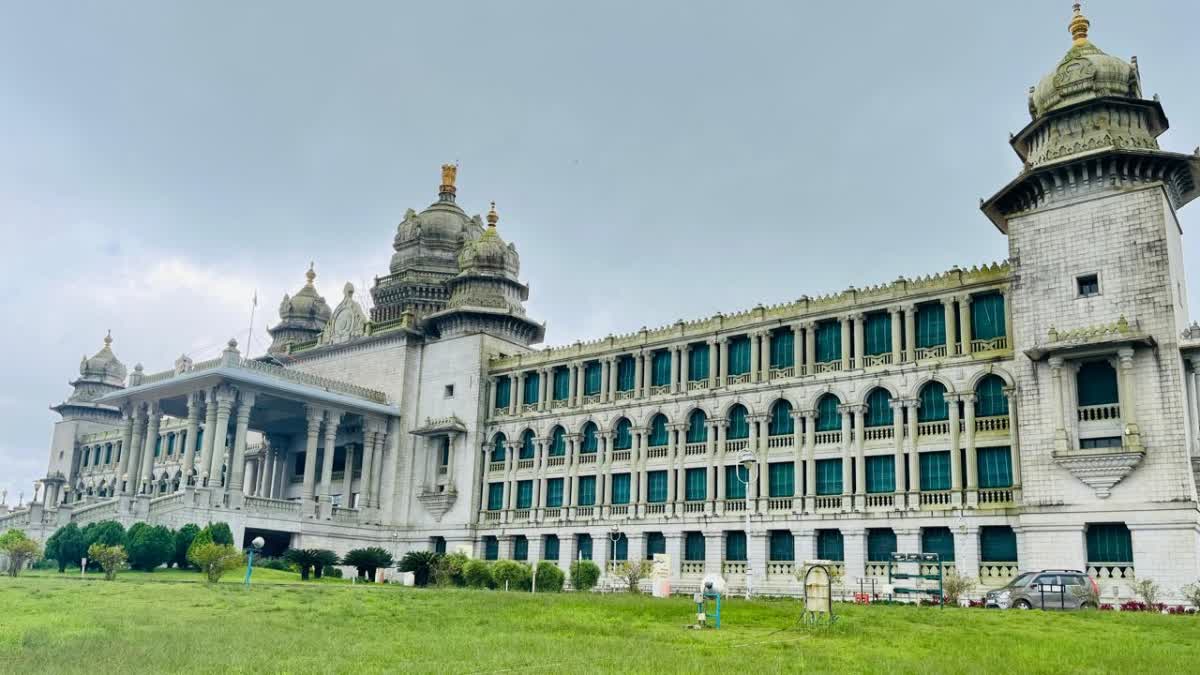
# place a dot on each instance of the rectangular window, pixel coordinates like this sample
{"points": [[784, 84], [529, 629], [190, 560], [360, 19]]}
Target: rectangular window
{"points": [[1104, 442], [735, 488], [881, 544], [735, 546], [829, 476], [157, 446], [660, 374], [878, 333], [782, 546], [829, 341], [626, 373], [1088, 285], [881, 474], [781, 479], [170, 445], [698, 362], [931, 325], [520, 547], [439, 545], [298, 465], [554, 492], [696, 481], [939, 540], [495, 496], [935, 470], [550, 547], [533, 384], [503, 392], [783, 349], [830, 545], [995, 467], [587, 491], [524, 494], [491, 548], [655, 543], [693, 546], [997, 543], [656, 487], [592, 374], [739, 355], [987, 316], [584, 541], [620, 488], [562, 384], [1109, 543]]}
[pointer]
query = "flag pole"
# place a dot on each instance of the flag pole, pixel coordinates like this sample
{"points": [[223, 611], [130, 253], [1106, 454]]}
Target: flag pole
{"points": [[250, 330]]}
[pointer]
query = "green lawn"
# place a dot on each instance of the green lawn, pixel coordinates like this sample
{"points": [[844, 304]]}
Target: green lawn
{"points": [[172, 622]]}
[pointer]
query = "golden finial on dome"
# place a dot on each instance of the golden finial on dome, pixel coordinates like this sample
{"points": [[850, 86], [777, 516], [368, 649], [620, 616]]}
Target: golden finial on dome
{"points": [[449, 173], [1079, 25], [492, 216], [310, 274]]}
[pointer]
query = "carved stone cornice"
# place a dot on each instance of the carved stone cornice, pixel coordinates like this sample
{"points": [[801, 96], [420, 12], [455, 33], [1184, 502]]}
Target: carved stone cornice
{"points": [[1099, 469]]}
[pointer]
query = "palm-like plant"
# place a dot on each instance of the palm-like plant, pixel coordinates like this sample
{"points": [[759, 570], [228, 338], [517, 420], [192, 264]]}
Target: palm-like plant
{"points": [[367, 560], [421, 564]]}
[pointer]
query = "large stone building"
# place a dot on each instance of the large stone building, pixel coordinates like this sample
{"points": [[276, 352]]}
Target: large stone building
{"points": [[1040, 412]]}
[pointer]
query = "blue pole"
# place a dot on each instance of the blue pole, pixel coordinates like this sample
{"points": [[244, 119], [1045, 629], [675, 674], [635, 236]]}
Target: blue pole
{"points": [[249, 566]]}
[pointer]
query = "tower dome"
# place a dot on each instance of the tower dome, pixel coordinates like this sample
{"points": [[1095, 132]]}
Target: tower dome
{"points": [[1084, 73], [302, 316], [101, 374], [430, 240], [488, 254], [104, 367]]}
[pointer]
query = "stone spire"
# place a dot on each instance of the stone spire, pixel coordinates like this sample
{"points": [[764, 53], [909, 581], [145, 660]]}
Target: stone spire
{"points": [[302, 317]]}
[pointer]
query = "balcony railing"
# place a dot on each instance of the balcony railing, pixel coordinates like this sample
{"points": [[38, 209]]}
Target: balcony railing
{"points": [[659, 509], [520, 514], [1100, 413], [742, 378], [827, 437], [997, 573], [587, 457], [936, 498], [494, 467], [827, 367], [524, 463], [873, 360], [500, 412], [657, 452], [688, 507], [690, 449], [996, 497], [490, 516], [692, 567], [589, 399], [660, 389], [781, 568], [529, 407], [735, 505], [555, 461], [779, 504], [936, 428], [625, 395], [781, 441], [995, 344], [552, 513], [878, 433], [618, 510], [998, 423], [561, 403], [877, 569], [737, 445], [694, 385], [789, 371], [1104, 571], [732, 567], [935, 352], [829, 503], [881, 501], [620, 455], [584, 511]]}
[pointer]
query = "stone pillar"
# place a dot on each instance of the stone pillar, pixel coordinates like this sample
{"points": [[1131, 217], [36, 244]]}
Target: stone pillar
{"points": [[964, 308], [956, 478], [674, 542], [897, 406], [797, 349], [605, 371], [810, 347], [370, 434], [332, 418], [847, 455], [520, 394], [713, 363], [241, 426], [127, 415], [313, 417], [676, 367], [154, 418], [966, 550], [648, 374], [572, 384], [860, 456], [1008, 313], [134, 451], [348, 478], [189, 449], [756, 374], [756, 556], [860, 339], [798, 468], [845, 335], [804, 542], [723, 378], [972, 463], [810, 453], [1127, 395], [757, 489], [253, 472], [855, 549], [513, 383], [613, 363], [639, 375], [914, 459], [897, 343], [388, 439], [765, 355], [719, 431], [1056, 401], [910, 333], [1014, 439]]}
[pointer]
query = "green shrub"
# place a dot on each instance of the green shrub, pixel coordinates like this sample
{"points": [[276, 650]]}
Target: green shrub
{"points": [[367, 560], [280, 564], [183, 540], [109, 558], [421, 564], [511, 575], [584, 575], [449, 569], [105, 532], [550, 578], [478, 574], [633, 571], [215, 560], [66, 546], [149, 546], [221, 534]]}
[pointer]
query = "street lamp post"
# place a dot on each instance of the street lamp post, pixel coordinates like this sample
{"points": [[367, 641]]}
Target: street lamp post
{"points": [[255, 545], [748, 461], [614, 535]]}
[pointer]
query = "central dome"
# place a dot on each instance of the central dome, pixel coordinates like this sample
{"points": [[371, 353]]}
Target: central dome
{"points": [[430, 240], [1084, 73]]}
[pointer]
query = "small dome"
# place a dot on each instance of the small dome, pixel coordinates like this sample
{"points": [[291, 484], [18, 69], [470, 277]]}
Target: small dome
{"points": [[104, 367], [306, 306], [489, 254], [1084, 73]]}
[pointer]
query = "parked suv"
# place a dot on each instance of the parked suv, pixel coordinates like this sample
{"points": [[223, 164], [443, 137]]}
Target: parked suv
{"points": [[1047, 589]]}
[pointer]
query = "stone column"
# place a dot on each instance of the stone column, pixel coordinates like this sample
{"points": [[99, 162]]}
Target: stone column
{"points": [[972, 463], [897, 406], [914, 458], [964, 308], [370, 434], [189, 449], [719, 432], [897, 343], [520, 394], [860, 456], [951, 326], [513, 383], [910, 333], [572, 384], [241, 426], [544, 388], [756, 374], [855, 550], [220, 433], [134, 451], [348, 478], [152, 423], [845, 335], [313, 417], [714, 364], [860, 339], [639, 375], [253, 471], [956, 478], [676, 358], [765, 355], [648, 374], [1014, 440], [332, 418], [810, 347], [810, 453], [605, 371], [797, 349], [847, 455], [1127, 395], [673, 436], [1056, 401], [613, 363], [723, 378], [757, 489], [127, 416], [387, 441], [1008, 327], [606, 504]]}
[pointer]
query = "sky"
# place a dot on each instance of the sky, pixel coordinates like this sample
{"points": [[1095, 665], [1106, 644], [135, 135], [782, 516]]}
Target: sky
{"points": [[162, 163]]}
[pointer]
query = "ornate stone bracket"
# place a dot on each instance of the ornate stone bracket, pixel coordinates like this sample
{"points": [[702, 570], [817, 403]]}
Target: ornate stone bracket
{"points": [[438, 503], [1099, 470]]}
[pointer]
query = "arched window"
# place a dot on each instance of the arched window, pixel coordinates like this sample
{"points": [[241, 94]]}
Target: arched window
{"points": [[739, 426], [590, 439], [558, 442], [659, 435], [499, 447], [989, 397], [624, 436], [527, 447], [781, 423], [828, 417], [1097, 383], [933, 403], [879, 408], [697, 430]]}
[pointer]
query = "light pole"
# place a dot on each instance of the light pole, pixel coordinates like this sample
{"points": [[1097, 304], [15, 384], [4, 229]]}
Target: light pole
{"points": [[255, 545], [614, 535], [748, 461]]}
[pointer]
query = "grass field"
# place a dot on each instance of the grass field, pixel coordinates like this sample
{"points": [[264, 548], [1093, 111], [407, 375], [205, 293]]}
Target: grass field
{"points": [[172, 622]]}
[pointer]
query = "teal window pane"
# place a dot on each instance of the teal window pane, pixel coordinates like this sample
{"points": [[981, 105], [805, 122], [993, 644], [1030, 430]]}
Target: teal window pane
{"points": [[524, 494], [881, 544], [157, 446], [735, 546], [656, 487], [558, 442], [781, 546], [659, 436], [938, 540], [587, 491], [1109, 543], [698, 362], [623, 440], [781, 479], [697, 431], [495, 496], [739, 355], [491, 548], [995, 467], [498, 448], [620, 547], [990, 400], [881, 474], [933, 403], [879, 408], [739, 425], [829, 341], [584, 541], [828, 416], [108, 454], [533, 384], [503, 392], [620, 488], [626, 373], [592, 374], [520, 547], [735, 487], [693, 546], [935, 470], [170, 447], [997, 543], [196, 450], [696, 484], [527, 446], [931, 325], [783, 349], [877, 333], [660, 374], [550, 547], [829, 476], [655, 543], [562, 384], [987, 316], [1097, 383], [781, 422], [591, 439], [830, 545], [554, 492]]}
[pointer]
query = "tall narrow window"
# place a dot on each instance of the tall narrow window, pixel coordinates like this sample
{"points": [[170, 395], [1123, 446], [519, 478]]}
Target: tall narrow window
{"points": [[562, 384], [655, 543], [520, 547], [591, 440], [783, 348], [931, 325], [828, 416], [990, 400], [584, 542], [881, 474], [592, 374], [735, 546], [619, 547], [829, 476], [697, 430], [693, 546], [997, 543], [620, 488], [524, 494], [781, 479], [938, 540], [877, 334], [881, 544], [656, 487], [829, 341], [550, 547], [698, 362], [1109, 543], [933, 403], [503, 392], [781, 546], [987, 316], [879, 408], [735, 482], [660, 375], [739, 355], [695, 481], [527, 445], [739, 425], [554, 493], [995, 467], [659, 435], [491, 548], [830, 545], [781, 423], [558, 442], [498, 447], [533, 385], [495, 496], [626, 373], [623, 439], [1097, 383], [587, 491], [935, 470]]}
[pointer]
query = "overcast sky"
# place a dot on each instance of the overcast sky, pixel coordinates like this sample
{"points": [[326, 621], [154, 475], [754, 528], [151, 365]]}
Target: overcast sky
{"points": [[162, 162]]}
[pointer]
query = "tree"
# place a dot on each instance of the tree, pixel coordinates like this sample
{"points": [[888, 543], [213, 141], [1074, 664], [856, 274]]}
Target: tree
{"points": [[421, 564], [106, 532], [149, 546], [953, 586], [183, 540], [449, 569], [66, 546], [20, 550], [478, 574], [303, 558], [367, 560], [326, 559], [109, 558], [1191, 593], [221, 534], [633, 571], [511, 575], [214, 560], [584, 575], [549, 577]]}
